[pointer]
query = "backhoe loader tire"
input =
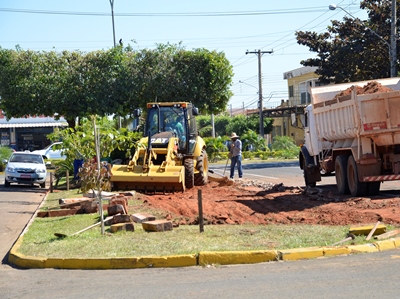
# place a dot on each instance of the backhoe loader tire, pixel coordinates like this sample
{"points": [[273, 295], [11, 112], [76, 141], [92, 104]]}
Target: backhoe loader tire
{"points": [[189, 173], [201, 178]]}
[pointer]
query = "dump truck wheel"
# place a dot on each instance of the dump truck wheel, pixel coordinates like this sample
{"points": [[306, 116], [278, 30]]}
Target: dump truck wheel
{"points": [[189, 173], [356, 187], [201, 178], [341, 174], [306, 175]]}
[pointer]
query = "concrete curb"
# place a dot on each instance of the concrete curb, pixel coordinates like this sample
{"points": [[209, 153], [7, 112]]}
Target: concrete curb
{"points": [[203, 258]]}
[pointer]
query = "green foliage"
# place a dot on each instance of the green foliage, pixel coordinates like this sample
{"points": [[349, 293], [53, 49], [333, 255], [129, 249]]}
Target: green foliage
{"points": [[214, 147], [240, 124], [114, 81], [92, 178], [284, 147], [79, 143], [347, 51], [283, 143], [220, 123], [5, 153], [251, 138]]}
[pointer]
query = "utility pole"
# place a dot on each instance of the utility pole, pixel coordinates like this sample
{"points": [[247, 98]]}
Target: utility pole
{"points": [[260, 97], [393, 34]]}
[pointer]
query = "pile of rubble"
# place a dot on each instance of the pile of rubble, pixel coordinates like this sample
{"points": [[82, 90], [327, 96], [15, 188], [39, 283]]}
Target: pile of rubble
{"points": [[118, 218]]}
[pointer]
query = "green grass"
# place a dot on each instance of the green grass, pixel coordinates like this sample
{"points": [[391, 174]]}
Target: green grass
{"points": [[40, 240]]}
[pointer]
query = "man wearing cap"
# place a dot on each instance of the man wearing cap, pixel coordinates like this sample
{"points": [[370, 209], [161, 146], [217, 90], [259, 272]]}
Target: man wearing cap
{"points": [[236, 155]]}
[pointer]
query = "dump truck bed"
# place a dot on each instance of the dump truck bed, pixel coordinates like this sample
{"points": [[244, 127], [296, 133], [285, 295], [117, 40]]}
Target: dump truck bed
{"points": [[375, 115]]}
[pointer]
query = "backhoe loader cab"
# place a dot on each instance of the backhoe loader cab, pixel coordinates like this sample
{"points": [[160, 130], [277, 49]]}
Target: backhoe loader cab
{"points": [[170, 157], [177, 118]]}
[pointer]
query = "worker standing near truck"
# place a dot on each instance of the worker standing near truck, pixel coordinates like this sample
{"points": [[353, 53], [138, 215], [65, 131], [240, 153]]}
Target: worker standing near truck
{"points": [[236, 155]]}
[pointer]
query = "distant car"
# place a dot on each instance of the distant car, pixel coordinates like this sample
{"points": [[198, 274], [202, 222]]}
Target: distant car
{"points": [[49, 152], [25, 168]]}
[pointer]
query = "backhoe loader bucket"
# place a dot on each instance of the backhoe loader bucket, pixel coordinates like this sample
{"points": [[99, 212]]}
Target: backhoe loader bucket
{"points": [[153, 179]]}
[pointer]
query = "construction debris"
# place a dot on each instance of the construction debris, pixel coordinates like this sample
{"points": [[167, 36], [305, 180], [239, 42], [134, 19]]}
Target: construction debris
{"points": [[157, 225], [122, 227], [365, 230], [142, 217], [388, 234], [349, 237]]}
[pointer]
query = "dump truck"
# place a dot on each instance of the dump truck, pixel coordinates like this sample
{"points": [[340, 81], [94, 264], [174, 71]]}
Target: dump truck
{"points": [[353, 130], [170, 157]]}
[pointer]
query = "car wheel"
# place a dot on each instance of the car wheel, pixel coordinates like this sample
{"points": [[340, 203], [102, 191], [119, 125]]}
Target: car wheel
{"points": [[6, 183], [43, 185]]}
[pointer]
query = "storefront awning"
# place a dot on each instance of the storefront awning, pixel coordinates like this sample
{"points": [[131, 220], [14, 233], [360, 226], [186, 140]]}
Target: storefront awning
{"points": [[31, 125], [32, 122]]}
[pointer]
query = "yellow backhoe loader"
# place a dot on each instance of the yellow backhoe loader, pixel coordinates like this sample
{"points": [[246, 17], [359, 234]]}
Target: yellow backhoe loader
{"points": [[170, 157]]}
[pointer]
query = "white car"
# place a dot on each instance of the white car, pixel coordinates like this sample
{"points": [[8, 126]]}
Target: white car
{"points": [[25, 168], [49, 152]]}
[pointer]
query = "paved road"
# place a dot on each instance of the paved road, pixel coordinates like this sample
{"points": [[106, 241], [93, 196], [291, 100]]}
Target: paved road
{"points": [[290, 174], [359, 276]]}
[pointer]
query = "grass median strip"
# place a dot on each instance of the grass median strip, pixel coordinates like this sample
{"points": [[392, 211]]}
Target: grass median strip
{"points": [[40, 241]]}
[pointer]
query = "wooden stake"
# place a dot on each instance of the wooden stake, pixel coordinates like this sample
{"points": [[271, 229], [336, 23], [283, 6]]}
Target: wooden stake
{"points": [[372, 231], [51, 182], [200, 202], [67, 178]]}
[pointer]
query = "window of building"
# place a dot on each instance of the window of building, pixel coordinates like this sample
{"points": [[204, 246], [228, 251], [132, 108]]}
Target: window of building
{"points": [[291, 91]]}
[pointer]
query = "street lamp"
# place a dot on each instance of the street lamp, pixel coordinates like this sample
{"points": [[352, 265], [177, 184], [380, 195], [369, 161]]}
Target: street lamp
{"points": [[248, 85], [392, 46], [112, 16]]}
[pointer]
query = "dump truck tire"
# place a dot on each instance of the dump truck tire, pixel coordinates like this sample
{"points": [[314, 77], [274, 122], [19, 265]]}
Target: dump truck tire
{"points": [[189, 173], [341, 174], [356, 187], [306, 175], [201, 178]]}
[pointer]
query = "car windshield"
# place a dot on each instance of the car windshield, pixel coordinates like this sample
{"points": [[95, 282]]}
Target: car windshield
{"points": [[26, 159]]}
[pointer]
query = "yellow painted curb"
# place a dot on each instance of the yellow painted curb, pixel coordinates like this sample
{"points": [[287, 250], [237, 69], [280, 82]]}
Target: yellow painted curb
{"points": [[124, 263], [300, 253], [385, 245], [363, 248], [236, 257], [396, 242], [31, 262], [332, 251]]}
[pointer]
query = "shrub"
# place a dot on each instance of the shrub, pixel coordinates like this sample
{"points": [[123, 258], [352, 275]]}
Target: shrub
{"points": [[5, 153]]}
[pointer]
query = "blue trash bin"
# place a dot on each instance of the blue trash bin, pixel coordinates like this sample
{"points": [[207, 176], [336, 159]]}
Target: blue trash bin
{"points": [[77, 164]]}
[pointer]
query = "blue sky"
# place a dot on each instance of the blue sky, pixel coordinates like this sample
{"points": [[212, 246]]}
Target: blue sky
{"points": [[228, 26]]}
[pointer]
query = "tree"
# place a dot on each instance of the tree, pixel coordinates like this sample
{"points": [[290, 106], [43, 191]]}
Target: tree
{"points": [[240, 124], [349, 51], [115, 81], [68, 84], [171, 73]]}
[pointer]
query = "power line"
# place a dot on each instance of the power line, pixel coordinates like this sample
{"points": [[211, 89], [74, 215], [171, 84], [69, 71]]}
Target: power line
{"points": [[184, 14]]}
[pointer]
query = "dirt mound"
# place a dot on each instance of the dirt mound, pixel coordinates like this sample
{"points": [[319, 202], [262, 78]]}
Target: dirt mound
{"points": [[251, 201], [371, 87]]}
